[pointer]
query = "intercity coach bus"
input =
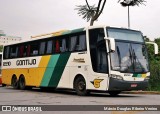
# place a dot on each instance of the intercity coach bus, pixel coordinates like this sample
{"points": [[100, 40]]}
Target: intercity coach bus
{"points": [[88, 59]]}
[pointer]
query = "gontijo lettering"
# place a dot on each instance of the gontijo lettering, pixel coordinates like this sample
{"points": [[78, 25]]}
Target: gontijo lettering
{"points": [[26, 62]]}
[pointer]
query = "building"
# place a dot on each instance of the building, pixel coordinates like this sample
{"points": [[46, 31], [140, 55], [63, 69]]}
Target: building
{"points": [[4, 39]]}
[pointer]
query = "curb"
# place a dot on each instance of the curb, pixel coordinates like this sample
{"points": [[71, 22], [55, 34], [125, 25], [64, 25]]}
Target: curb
{"points": [[141, 92]]}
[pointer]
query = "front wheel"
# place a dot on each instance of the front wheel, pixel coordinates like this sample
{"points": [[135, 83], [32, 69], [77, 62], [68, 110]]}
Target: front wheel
{"points": [[114, 93], [80, 86]]}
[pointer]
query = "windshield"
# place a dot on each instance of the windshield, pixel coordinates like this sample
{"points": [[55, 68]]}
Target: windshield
{"points": [[129, 56], [125, 34]]}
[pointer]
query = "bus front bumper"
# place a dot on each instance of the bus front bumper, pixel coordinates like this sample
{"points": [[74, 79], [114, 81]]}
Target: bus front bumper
{"points": [[121, 85]]}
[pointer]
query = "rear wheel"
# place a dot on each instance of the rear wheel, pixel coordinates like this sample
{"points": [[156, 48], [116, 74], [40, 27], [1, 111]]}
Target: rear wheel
{"points": [[3, 85], [114, 93], [22, 83], [80, 86], [14, 82]]}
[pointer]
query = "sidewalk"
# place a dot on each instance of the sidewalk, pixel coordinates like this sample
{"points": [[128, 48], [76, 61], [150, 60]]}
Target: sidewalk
{"points": [[141, 92]]}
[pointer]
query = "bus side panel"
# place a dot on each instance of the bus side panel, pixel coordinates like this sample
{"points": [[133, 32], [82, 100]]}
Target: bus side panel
{"points": [[77, 65], [64, 81], [33, 75], [8, 73], [37, 74], [55, 69]]}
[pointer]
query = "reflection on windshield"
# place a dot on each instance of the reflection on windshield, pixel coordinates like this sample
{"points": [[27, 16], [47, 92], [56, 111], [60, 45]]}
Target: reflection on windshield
{"points": [[129, 57]]}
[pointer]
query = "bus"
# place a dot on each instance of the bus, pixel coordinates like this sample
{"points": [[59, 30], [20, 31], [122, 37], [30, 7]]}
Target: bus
{"points": [[94, 58], [0, 67]]}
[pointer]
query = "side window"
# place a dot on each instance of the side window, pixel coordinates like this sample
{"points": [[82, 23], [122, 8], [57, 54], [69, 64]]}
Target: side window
{"points": [[6, 52], [73, 43], [26, 50], [14, 52], [49, 47], [82, 43], [63, 47], [42, 48], [21, 50], [77, 42], [33, 49], [57, 46], [61, 44]]}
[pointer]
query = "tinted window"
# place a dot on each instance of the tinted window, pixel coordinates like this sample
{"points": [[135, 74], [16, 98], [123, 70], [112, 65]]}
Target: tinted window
{"points": [[42, 48], [14, 52], [98, 51], [77, 43], [6, 52], [33, 49], [49, 47]]}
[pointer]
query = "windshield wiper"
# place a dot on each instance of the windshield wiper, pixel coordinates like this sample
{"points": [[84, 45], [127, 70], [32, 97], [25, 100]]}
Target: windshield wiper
{"points": [[119, 56], [134, 62]]}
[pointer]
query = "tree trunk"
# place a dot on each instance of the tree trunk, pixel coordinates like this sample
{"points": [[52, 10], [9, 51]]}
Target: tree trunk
{"points": [[92, 21]]}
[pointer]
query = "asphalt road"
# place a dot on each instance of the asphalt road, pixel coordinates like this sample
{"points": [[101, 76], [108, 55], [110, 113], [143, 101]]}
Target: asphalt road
{"points": [[10, 96]]}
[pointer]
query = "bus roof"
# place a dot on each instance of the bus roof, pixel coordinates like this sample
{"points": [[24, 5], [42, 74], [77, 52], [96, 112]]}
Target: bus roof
{"points": [[48, 35], [59, 33]]}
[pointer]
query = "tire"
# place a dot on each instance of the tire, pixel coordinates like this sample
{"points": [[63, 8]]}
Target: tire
{"points": [[3, 85], [14, 82], [80, 86], [22, 83], [114, 93]]}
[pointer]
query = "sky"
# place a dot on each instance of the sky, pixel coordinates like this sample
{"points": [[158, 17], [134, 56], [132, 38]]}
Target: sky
{"points": [[26, 18]]}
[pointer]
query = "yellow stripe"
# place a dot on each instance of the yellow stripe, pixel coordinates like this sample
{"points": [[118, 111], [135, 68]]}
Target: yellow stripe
{"points": [[38, 73], [143, 75]]}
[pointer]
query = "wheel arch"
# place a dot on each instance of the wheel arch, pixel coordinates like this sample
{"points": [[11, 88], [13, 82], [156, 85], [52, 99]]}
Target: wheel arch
{"points": [[14, 75], [77, 76]]}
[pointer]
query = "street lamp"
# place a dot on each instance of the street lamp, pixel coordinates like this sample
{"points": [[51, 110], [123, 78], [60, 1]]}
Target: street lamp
{"points": [[127, 3]]}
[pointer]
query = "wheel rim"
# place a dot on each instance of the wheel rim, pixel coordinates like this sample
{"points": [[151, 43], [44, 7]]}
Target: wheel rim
{"points": [[81, 85]]}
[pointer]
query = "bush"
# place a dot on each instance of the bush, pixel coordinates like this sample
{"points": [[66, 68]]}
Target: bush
{"points": [[154, 82]]}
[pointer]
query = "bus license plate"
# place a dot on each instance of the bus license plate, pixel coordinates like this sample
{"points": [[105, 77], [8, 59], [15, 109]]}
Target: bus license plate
{"points": [[133, 85]]}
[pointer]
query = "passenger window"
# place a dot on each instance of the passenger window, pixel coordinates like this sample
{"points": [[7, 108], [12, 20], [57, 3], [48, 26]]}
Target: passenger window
{"points": [[49, 47], [21, 50], [6, 54], [57, 47], [73, 43], [14, 52], [82, 43], [42, 48], [63, 47], [33, 49], [77, 43], [26, 50]]}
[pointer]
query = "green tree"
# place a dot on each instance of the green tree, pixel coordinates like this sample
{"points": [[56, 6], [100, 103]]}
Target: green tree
{"points": [[154, 61], [1, 48], [128, 3], [91, 13]]}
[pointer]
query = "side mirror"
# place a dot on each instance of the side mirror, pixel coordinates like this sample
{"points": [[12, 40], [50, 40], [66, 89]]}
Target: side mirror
{"points": [[155, 47], [112, 44]]}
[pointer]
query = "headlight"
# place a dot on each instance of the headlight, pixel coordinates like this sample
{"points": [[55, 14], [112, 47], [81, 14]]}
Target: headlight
{"points": [[147, 78], [116, 77]]}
